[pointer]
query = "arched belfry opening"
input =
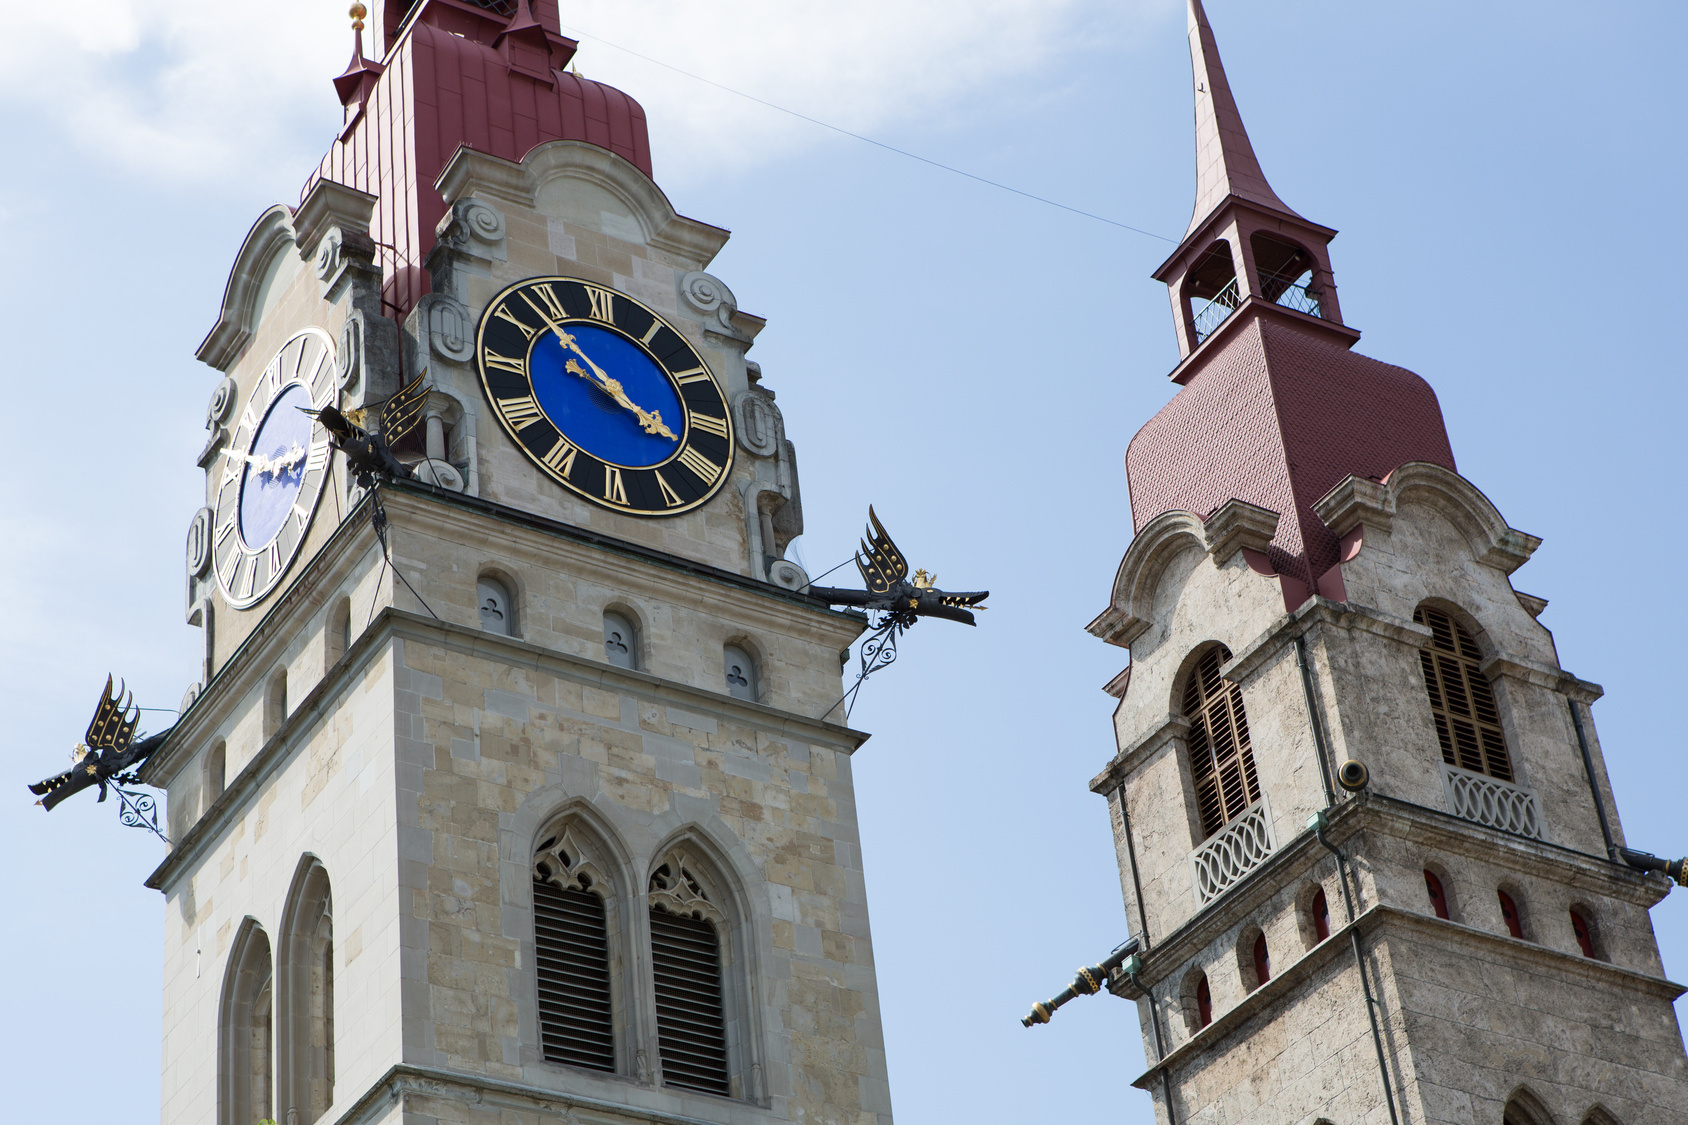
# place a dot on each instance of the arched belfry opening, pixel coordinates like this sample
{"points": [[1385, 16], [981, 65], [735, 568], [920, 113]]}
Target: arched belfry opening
{"points": [[1287, 273], [1211, 292]]}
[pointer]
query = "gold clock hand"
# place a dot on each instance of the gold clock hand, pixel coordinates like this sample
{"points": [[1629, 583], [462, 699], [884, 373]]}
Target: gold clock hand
{"points": [[651, 421]]}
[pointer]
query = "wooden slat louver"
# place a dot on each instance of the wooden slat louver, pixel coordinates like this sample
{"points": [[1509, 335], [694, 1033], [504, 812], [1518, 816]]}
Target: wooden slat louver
{"points": [[691, 1028], [1462, 702], [1221, 758], [572, 949]]}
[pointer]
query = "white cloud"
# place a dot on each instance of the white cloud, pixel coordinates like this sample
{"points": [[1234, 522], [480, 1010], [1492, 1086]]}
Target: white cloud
{"points": [[240, 93]]}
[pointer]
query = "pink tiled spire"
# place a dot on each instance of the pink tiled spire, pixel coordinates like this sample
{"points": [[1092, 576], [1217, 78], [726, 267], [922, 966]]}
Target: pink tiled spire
{"points": [[1225, 162]]}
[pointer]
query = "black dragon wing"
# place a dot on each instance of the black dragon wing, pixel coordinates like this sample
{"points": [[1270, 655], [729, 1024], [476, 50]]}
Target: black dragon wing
{"points": [[883, 565], [113, 726], [400, 413]]}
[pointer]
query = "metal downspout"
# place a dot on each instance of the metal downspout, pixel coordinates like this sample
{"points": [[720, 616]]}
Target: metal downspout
{"points": [[1143, 935], [1342, 872], [1593, 787]]}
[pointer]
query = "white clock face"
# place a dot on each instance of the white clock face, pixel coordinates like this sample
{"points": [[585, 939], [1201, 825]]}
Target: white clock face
{"points": [[273, 470]]}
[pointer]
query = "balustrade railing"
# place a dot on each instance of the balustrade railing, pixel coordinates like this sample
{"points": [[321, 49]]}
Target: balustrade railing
{"points": [[1487, 800], [1213, 314], [1232, 852], [1298, 292]]}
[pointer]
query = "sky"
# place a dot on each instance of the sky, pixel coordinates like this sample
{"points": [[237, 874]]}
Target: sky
{"points": [[970, 361]]}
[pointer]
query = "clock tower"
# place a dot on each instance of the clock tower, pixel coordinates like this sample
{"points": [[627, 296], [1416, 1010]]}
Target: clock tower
{"points": [[1365, 835], [508, 789]]}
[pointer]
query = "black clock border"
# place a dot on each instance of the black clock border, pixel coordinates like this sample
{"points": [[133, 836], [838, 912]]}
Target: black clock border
{"points": [[668, 349]]}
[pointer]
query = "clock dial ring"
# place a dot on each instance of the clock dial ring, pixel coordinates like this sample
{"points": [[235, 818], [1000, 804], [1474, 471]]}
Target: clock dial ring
{"points": [[604, 396], [273, 471]]}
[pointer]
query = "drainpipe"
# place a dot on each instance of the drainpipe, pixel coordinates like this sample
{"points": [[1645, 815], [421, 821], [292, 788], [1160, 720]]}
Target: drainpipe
{"points": [[1134, 964], [1313, 719], [1317, 824], [1593, 788]]}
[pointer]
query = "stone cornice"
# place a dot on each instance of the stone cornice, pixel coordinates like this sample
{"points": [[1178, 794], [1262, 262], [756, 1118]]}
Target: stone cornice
{"points": [[520, 1098], [402, 625], [1522, 668], [1371, 923], [1314, 612], [1173, 726]]}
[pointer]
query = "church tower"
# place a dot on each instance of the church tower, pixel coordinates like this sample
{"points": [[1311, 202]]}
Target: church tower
{"points": [[512, 788], [1364, 830]]}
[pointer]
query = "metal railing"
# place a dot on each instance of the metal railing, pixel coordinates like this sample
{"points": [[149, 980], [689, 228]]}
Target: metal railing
{"points": [[1213, 314], [1298, 292], [1232, 852], [1487, 800]]}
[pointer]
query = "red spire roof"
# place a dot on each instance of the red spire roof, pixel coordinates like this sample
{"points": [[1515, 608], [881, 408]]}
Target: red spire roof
{"points": [[1225, 161], [457, 75]]}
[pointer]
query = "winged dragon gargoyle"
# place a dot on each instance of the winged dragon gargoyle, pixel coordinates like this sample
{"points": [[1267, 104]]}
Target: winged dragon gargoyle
{"points": [[889, 588], [369, 452], [106, 752]]}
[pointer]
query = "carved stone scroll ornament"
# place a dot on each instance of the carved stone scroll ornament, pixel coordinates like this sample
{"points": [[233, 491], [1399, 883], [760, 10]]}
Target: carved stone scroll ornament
{"points": [[199, 543], [760, 426], [350, 358], [476, 227], [221, 404], [450, 332], [562, 860], [710, 296], [676, 888]]}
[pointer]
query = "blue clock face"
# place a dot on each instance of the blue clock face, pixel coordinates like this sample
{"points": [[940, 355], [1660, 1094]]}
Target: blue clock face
{"points": [[275, 466], [575, 397], [604, 396]]}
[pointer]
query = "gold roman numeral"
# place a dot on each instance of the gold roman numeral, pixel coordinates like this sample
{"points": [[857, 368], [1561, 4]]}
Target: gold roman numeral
{"points": [[272, 376], [710, 424], [669, 496], [502, 312], [695, 375], [603, 304], [224, 531], [520, 412], [317, 458], [614, 491], [251, 562], [699, 464], [549, 296], [301, 517], [247, 419], [275, 555], [561, 457], [505, 363], [650, 333]]}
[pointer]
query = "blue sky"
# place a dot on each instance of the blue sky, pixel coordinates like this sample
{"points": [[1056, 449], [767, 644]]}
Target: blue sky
{"points": [[1508, 181]]}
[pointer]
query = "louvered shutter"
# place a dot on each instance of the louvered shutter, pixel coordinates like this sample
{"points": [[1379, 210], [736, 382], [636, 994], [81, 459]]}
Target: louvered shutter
{"points": [[691, 1027], [571, 944], [1462, 702], [1221, 757]]}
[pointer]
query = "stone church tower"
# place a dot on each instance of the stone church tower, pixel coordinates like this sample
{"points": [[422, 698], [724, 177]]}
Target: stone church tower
{"points": [[510, 792], [1311, 583]]}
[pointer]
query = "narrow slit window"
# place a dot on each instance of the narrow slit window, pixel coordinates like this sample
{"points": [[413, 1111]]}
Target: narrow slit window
{"points": [[1438, 899], [1585, 935], [1509, 915], [1462, 702], [1204, 1002], [1262, 961], [493, 604], [1321, 915], [621, 646], [740, 672], [1221, 757]]}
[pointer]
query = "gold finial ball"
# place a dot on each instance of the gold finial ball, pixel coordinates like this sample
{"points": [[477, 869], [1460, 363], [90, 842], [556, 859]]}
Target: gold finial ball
{"points": [[357, 12]]}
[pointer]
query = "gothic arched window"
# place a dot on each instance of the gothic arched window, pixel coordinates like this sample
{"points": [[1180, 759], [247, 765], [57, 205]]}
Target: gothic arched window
{"points": [[1221, 759], [621, 642], [1510, 914], [245, 1031], [1461, 701], [1320, 911], [687, 924], [1262, 961], [1583, 929], [305, 998], [571, 928], [740, 670], [1204, 1002]]}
